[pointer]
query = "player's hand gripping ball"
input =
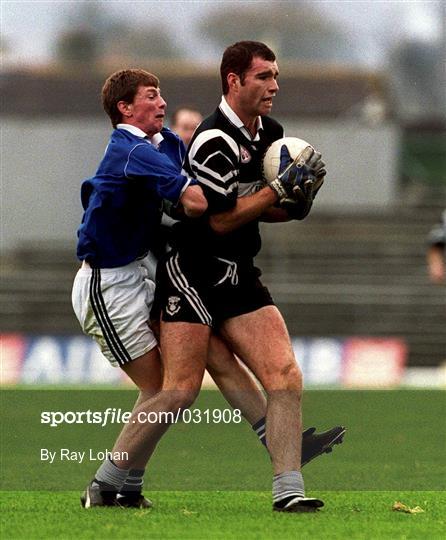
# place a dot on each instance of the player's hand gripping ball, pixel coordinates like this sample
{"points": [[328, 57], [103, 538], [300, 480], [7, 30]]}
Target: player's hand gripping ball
{"points": [[295, 171]]}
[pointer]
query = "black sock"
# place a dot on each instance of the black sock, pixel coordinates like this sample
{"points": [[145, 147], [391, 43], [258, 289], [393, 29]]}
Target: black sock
{"points": [[260, 428]]}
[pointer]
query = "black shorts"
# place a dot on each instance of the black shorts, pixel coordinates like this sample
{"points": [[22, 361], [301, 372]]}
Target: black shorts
{"points": [[207, 290]]}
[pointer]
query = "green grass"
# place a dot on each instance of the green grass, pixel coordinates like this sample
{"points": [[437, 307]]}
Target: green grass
{"points": [[214, 480], [222, 514]]}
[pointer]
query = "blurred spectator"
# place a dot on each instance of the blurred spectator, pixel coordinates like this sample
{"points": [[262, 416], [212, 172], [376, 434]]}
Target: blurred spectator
{"points": [[436, 252], [184, 121]]}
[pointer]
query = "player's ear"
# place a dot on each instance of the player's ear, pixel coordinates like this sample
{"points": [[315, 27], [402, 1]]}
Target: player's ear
{"points": [[124, 108], [233, 81]]}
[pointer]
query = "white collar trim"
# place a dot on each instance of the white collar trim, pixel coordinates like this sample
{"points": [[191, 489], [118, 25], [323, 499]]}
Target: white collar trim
{"points": [[155, 140], [234, 119]]}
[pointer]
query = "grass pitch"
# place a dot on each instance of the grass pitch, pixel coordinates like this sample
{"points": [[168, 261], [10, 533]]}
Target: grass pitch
{"points": [[213, 480], [247, 515]]}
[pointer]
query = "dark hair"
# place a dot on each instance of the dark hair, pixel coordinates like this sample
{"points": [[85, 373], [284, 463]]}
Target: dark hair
{"points": [[178, 110], [123, 86], [237, 59]]}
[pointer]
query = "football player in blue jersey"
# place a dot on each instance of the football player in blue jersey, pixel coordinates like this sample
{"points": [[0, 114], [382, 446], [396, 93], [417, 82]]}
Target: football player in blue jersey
{"points": [[113, 291], [112, 294]]}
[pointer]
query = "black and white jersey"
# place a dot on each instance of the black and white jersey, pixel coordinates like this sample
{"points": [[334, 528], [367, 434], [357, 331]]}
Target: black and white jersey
{"points": [[227, 163]]}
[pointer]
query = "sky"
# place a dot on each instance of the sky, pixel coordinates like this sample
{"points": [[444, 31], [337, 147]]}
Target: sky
{"points": [[28, 28]]}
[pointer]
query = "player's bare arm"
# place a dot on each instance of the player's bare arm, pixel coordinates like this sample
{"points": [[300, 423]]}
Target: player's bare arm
{"points": [[259, 205], [275, 215], [246, 210]]}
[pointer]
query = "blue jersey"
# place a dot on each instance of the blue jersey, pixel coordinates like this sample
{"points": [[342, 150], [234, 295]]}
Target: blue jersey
{"points": [[122, 202]]}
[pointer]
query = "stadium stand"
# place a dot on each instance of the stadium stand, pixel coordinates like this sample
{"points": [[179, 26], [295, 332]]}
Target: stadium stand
{"points": [[332, 275]]}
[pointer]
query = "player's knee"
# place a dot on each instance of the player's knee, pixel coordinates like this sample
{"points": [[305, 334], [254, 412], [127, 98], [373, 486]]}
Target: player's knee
{"points": [[183, 394], [294, 378], [287, 376], [182, 399]]}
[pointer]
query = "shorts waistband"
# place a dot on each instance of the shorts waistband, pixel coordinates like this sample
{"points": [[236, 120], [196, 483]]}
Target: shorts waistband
{"points": [[86, 267], [240, 260]]}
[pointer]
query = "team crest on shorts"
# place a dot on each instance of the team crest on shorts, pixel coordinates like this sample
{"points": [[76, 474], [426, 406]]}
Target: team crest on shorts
{"points": [[245, 156], [173, 305]]}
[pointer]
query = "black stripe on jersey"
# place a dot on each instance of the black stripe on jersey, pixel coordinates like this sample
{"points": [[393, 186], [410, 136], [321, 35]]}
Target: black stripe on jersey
{"points": [[214, 162], [108, 330], [218, 162], [207, 175], [211, 145]]}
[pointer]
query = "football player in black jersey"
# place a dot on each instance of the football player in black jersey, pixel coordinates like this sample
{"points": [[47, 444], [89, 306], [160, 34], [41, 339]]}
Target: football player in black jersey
{"points": [[209, 280]]}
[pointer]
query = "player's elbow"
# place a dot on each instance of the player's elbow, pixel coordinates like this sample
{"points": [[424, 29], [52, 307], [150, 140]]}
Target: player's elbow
{"points": [[194, 202], [195, 209]]}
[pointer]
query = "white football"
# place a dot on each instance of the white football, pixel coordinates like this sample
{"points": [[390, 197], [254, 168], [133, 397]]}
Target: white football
{"points": [[271, 160]]}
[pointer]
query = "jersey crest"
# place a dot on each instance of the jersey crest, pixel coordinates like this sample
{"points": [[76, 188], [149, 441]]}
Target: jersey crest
{"points": [[245, 156]]}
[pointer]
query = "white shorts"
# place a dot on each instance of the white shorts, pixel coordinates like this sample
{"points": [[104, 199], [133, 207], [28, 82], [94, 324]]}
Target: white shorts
{"points": [[113, 307]]}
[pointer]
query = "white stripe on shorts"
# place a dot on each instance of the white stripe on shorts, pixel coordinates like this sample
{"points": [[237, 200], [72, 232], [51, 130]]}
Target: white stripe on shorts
{"points": [[180, 282]]}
